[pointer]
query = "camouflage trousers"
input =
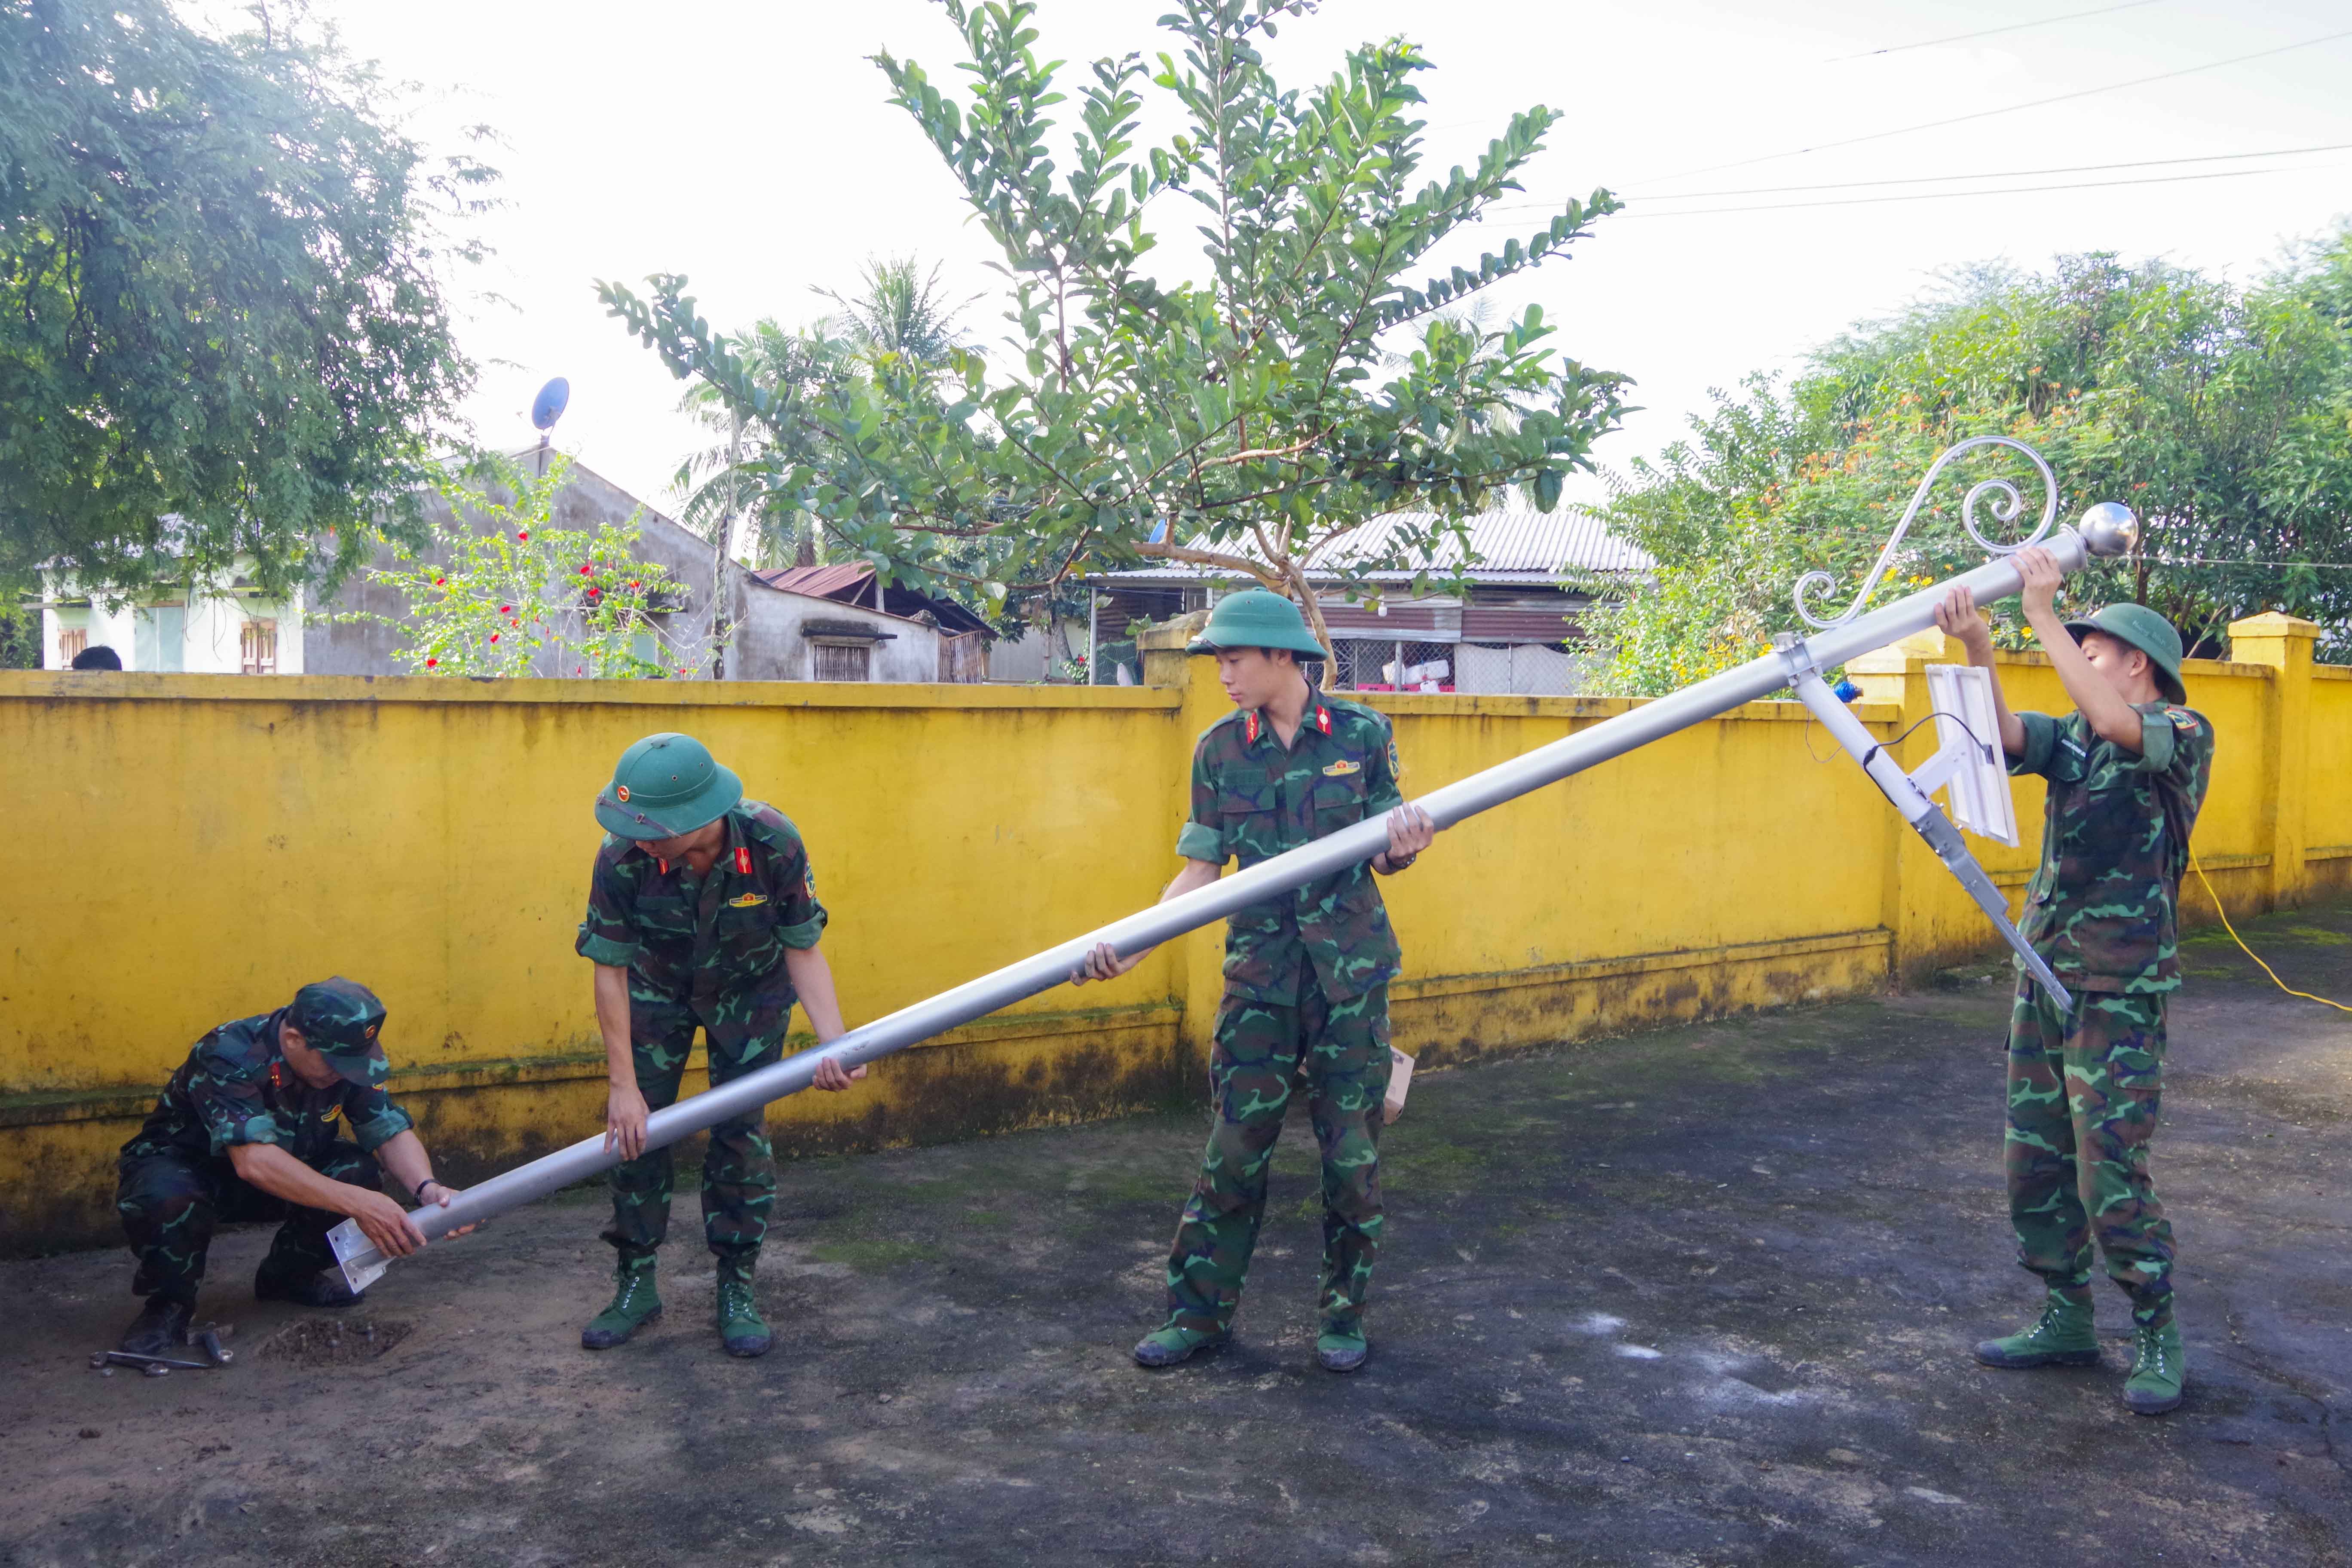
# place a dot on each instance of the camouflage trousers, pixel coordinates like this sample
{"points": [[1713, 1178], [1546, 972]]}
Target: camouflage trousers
{"points": [[2083, 1092], [1341, 1050], [171, 1202], [739, 1170]]}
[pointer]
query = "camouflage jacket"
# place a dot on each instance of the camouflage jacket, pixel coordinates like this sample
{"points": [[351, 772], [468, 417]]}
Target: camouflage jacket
{"points": [[1251, 799], [710, 946], [2102, 910], [236, 1088]]}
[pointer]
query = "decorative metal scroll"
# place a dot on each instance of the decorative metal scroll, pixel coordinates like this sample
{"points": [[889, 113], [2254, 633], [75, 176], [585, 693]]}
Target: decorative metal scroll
{"points": [[2005, 506]]}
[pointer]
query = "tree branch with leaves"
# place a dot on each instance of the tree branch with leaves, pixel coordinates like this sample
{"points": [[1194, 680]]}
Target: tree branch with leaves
{"points": [[1249, 420]]}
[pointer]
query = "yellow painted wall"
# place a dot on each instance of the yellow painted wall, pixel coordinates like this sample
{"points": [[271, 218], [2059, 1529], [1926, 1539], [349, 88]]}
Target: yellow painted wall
{"points": [[200, 845], [2329, 786]]}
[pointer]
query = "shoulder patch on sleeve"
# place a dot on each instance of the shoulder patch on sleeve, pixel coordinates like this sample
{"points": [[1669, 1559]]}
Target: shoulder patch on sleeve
{"points": [[2187, 721], [764, 824]]}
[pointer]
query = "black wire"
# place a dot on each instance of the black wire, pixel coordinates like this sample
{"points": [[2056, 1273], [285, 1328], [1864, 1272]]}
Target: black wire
{"points": [[2005, 109], [1934, 713]]}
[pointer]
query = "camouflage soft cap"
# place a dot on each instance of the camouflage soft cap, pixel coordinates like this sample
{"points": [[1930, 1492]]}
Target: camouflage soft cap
{"points": [[341, 1020]]}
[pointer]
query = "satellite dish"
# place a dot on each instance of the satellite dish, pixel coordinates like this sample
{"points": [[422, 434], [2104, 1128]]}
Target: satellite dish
{"points": [[548, 406]]}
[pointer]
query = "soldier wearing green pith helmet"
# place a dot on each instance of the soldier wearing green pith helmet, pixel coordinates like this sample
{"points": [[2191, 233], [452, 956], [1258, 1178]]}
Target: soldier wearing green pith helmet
{"points": [[702, 913], [1307, 974], [2127, 773]]}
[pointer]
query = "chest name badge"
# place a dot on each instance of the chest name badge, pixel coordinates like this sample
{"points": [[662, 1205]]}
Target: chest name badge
{"points": [[747, 900], [1343, 768]]}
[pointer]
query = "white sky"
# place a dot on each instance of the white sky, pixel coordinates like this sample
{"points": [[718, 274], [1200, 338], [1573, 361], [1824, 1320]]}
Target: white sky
{"points": [[748, 145]]}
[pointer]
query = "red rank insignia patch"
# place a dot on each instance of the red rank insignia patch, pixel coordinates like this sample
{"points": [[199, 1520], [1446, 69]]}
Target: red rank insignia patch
{"points": [[1323, 718], [743, 860], [1250, 726]]}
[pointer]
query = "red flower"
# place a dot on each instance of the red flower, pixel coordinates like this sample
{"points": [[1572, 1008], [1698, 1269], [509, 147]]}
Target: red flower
{"points": [[494, 636], [439, 581], [525, 534], [593, 592], [634, 583], [506, 609], [431, 662], [584, 571]]}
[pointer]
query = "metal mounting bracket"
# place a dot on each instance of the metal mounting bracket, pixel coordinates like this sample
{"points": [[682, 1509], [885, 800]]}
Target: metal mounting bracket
{"points": [[1924, 816]]}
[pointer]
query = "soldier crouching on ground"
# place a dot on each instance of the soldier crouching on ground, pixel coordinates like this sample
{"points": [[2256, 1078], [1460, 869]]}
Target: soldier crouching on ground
{"points": [[2126, 775], [1307, 974], [245, 1130], [700, 913]]}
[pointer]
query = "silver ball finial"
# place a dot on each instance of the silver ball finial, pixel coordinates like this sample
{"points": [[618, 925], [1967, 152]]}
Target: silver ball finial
{"points": [[2109, 529]]}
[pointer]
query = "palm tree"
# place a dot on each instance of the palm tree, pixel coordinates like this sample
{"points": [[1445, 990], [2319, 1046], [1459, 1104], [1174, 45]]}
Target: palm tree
{"points": [[901, 313]]}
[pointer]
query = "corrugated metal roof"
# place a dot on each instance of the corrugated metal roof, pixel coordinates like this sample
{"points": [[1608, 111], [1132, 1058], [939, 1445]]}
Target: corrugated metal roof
{"points": [[817, 582], [1509, 546], [853, 584]]}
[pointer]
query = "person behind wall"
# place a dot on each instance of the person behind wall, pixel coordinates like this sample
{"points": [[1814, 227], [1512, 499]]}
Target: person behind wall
{"points": [[2127, 773], [1307, 974], [100, 657], [247, 1128], [701, 914]]}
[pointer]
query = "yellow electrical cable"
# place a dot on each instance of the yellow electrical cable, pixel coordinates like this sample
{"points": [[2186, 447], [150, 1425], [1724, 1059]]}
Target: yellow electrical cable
{"points": [[2249, 952]]}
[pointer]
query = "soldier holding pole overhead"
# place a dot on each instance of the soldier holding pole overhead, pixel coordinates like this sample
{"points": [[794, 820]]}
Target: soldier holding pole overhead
{"points": [[701, 914], [1307, 974], [2127, 773]]}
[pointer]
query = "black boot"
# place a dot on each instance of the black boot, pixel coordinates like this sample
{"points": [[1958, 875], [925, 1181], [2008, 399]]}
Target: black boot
{"points": [[324, 1288], [161, 1327]]}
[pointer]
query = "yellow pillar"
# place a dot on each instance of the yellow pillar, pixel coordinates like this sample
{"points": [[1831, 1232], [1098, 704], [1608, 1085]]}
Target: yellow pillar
{"points": [[2284, 643]]}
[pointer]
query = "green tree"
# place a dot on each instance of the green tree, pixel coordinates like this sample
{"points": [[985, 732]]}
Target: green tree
{"points": [[1248, 421], [2221, 416], [223, 332], [899, 313], [20, 637]]}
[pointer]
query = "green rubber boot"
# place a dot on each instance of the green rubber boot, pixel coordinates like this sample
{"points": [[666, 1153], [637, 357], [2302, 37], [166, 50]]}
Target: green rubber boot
{"points": [[1166, 1347], [635, 1304], [2063, 1336], [2159, 1370], [741, 1329], [1341, 1347]]}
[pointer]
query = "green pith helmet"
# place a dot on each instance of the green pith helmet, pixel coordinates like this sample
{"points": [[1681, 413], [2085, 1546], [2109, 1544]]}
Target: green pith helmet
{"points": [[2138, 626], [340, 1019], [666, 785], [1256, 617]]}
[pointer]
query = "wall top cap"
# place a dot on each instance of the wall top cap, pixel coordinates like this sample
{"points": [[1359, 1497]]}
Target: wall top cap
{"points": [[1173, 633], [2274, 624]]}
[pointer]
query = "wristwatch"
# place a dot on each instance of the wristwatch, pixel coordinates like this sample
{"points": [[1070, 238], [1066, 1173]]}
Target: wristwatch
{"points": [[432, 1182]]}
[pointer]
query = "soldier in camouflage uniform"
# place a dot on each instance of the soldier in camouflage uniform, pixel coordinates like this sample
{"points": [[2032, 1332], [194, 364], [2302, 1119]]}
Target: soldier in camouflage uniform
{"points": [[1307, 974], [701, 914], [248, 1130], [2127, 773]]}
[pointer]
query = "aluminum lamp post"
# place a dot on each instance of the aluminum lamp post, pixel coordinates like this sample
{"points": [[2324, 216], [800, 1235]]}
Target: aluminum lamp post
{"points": [[2106, 529]]}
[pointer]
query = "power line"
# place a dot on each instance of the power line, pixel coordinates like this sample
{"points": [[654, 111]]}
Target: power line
{"points": [[1987, 174], [2013, 108], [1988, 32], [1948, 195]]}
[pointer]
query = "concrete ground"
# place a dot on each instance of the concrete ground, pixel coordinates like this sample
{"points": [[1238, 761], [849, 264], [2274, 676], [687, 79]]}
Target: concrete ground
{"points": [[1700, 1296]]}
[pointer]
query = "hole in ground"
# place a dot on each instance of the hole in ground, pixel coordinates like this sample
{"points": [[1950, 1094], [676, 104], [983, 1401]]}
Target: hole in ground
{"points": [[326, 1342]]}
